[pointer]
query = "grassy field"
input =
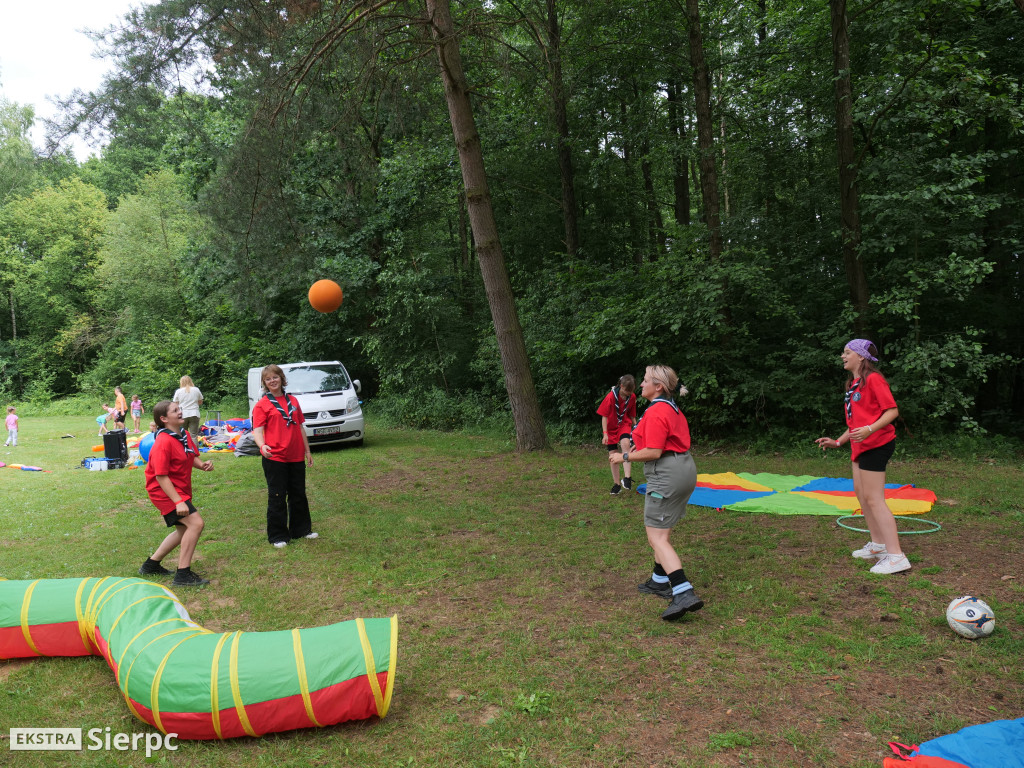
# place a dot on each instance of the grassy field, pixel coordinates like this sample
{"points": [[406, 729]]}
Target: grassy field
{"points": [[522, 638]]}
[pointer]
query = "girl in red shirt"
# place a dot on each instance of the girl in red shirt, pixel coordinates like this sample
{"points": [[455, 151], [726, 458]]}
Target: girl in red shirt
{"points": [[662, 442], [277, 429], [618, 417], [169, 484], [870, 412]]}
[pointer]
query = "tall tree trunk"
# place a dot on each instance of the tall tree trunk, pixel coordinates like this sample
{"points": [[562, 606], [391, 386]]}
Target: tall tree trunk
{"points": [[558, 98], [463, 237], [721, 135], [529, 423], [655, 222], [705, 139], [680, 161], [849, 213], [636, 230]]}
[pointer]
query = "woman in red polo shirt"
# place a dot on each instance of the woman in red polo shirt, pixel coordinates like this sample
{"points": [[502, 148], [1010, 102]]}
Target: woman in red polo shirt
{"points": [[277, 429], [172, 458], [870, 412], [662, 442], [618, 417]]}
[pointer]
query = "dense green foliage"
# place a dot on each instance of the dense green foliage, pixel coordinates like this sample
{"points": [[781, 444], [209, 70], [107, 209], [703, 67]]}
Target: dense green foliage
{"points": [[318, 145]]}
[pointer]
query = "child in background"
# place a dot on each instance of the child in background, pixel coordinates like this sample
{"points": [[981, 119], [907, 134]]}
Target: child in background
{"points": [[618, 417], [137, 411], [12, 426], [102, 420]]}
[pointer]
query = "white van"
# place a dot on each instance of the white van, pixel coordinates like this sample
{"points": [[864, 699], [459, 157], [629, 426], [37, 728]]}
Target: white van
{"points": [[327, 396]]}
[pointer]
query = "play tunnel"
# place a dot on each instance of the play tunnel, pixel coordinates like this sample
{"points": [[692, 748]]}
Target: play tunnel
{"points": [[184, 679]]}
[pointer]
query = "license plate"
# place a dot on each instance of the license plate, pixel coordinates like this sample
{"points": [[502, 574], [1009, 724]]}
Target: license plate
{"points": [[327, 430]]}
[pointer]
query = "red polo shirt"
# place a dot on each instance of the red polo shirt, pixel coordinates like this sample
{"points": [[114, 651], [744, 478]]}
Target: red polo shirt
{"points": [[285, 441], [617, 428], [662, 427], [168, 457]]}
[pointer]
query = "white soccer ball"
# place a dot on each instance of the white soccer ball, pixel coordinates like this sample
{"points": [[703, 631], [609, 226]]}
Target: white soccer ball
{"points": [[970, 617]]}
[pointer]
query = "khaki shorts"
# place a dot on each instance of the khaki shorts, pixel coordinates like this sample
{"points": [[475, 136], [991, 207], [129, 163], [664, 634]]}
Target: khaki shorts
{"points": [[670, 481]]}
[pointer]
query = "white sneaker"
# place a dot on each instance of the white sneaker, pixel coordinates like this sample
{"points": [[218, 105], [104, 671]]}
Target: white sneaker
{"points": [[313, 535], [870, 551], [891, 564], [280, 544]]}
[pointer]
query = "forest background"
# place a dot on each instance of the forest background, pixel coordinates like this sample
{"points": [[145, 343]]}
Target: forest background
{"points": [[731, 188]]}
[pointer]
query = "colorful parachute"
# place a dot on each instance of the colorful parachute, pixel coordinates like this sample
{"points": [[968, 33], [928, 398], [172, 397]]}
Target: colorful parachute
{"points": [[998, 744], [184, 679], [799, 494]]}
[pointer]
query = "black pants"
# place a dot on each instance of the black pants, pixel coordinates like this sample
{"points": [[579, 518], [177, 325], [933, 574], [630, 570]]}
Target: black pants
{"points": [[287, 507]]}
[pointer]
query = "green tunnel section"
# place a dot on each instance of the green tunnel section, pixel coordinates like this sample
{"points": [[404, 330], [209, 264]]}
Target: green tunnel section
{"points": [[184, 679]]}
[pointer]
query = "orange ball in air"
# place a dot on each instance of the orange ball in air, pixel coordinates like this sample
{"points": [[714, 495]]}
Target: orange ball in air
{"points": [[325, 295]]}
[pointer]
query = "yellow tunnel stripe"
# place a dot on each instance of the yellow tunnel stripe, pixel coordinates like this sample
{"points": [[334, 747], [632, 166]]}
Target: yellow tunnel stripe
{"points": [[214, 676], [162, 596], [371, 666], [392, 660], [87, 640], [154, 688], [140, 633], [300, 665], [25, 631], [124, 688], [236, 691]]}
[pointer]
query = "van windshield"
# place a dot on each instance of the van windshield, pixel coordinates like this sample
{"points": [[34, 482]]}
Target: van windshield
{"points": [[310, 379]]}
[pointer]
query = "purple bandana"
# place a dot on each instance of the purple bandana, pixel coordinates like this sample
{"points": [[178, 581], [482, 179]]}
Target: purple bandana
{"points": [[861, 346]]}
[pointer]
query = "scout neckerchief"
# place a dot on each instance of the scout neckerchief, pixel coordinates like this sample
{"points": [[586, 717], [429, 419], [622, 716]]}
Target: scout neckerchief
{"points": [[288, 420], [668, 400], [848, 398], [181, 437], [620, 408]]}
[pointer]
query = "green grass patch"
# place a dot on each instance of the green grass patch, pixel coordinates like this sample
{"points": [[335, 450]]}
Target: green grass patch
{"points": [[522, 638]]}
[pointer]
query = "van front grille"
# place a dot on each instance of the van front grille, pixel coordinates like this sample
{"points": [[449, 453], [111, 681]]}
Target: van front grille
{"points": [[313, 414]]}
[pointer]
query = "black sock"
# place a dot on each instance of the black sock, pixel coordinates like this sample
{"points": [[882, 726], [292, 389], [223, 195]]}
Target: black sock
{"points": [[679, 582], [658, 570], [186, 569]]}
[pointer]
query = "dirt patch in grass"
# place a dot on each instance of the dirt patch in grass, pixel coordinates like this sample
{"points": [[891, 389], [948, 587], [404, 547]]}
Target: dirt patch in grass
{"points": [[7, 667]]}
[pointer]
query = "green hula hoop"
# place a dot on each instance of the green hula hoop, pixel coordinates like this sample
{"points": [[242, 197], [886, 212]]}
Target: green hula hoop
{"points": [[935, 526]]}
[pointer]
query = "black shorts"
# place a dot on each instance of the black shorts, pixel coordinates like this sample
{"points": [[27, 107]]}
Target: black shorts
{"points": [[615, 446], [172, 518], [876, 459]]}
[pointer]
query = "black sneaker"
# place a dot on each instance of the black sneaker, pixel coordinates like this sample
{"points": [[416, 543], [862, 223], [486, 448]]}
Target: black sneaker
{"points": [[153, 568], [651, 587], [188, 579], [681, 603], [627, 483], [616, 490]]}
